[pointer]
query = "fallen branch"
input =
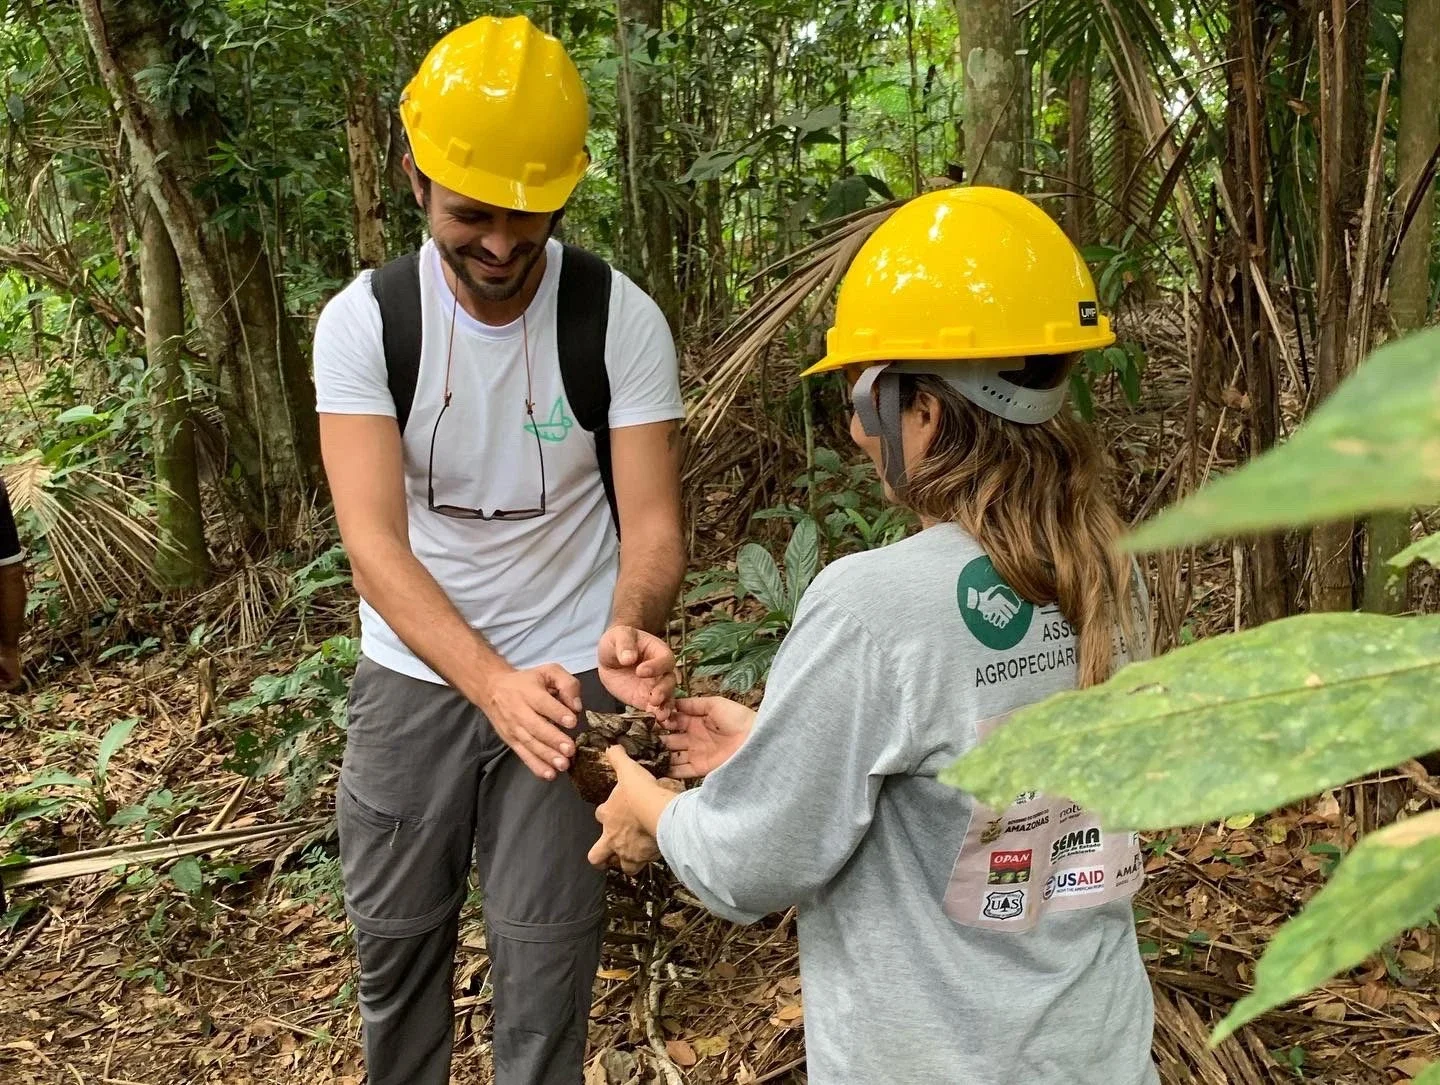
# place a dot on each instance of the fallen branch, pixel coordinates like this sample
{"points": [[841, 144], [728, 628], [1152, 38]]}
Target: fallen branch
{"points": [[55, 868]]}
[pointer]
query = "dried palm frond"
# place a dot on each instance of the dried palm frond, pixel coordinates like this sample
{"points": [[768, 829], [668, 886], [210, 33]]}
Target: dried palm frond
{"points": [[101, 540], [727, 365]]}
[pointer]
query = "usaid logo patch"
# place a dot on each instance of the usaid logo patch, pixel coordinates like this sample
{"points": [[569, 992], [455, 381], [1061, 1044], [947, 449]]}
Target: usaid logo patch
{"points": [[1089, 314], [1072, 883]]}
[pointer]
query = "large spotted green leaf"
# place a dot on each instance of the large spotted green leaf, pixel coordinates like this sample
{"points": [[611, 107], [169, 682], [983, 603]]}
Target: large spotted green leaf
{"points": [[1375, 444], [1390, 882], [1426, 549], [1234, 724]]}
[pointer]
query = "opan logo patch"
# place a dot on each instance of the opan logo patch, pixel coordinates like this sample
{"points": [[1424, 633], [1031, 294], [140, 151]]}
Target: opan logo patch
{"points": [[1009, 867]]}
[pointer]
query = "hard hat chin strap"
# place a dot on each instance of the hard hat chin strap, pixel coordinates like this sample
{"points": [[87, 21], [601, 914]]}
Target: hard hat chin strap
{"points": [[876, 396]]}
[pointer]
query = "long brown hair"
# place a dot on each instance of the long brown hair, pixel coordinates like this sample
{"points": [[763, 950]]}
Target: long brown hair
{"points": [[1037, 499]]}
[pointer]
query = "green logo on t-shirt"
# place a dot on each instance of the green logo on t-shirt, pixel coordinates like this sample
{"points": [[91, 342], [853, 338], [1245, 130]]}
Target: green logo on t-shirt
{"points": [[992, 610], [556, 427]]}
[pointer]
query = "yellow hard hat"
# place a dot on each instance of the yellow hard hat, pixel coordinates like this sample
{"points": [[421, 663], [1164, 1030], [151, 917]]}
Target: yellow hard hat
{"points": [[964, 273], [497, 112]]}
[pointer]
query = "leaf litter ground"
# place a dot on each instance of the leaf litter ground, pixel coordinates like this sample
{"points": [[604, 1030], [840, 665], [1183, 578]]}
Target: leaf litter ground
{"points": [[121, 980]]}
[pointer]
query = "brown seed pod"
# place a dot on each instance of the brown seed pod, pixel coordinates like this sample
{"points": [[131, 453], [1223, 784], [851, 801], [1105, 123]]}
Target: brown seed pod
{"points": [[636, 732]]}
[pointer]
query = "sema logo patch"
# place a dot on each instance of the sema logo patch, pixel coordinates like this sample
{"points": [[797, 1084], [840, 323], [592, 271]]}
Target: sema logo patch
{"points": [[1079, 842], [1074, 883], [1009, 867], [1004, 904], [993, 612]]}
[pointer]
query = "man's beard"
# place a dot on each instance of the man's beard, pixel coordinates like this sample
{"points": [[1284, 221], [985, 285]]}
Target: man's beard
{"points": [[502, 290]]}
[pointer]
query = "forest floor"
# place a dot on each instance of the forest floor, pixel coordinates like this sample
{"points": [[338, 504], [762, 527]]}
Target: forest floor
{"points": [[127, 980]]}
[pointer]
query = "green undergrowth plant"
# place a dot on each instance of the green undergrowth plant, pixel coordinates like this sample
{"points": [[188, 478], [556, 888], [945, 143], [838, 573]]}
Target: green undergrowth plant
{"points": [[52, 796], [1244, 723], [848, 504], [293, 724], [739, 649]]}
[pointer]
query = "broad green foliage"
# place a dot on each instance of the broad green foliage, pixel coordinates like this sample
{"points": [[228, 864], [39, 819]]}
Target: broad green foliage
{"points": [[1391, 881], [1426, 549], [1244, 723], [295, 722], [1374, 445], [1297, 705], [742, 649]]}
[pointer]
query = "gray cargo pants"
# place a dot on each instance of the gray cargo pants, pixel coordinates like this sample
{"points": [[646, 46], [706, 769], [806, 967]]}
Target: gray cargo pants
{"points": [[425, 780]]}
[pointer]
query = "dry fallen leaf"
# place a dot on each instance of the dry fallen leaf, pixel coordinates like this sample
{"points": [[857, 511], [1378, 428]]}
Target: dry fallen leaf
{"points": [[711, 1045], [681, 1053]]}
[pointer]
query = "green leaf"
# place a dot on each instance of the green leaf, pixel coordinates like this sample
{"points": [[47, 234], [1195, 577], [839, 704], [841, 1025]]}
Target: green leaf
{"points": [[1426, 549], [83, 413], [802, 561], [1428, 1076], [113, 740], [760, 576], [1080, 393], [1235, 724], [187, 875], [1374, 445], [1390, 882]]}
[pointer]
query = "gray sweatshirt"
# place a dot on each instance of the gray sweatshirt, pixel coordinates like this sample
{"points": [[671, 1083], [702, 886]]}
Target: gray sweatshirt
{"points": [[940, 941]]}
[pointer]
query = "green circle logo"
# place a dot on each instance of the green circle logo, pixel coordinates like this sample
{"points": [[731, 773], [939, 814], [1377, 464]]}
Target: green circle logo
{"points": [[992, 610]]}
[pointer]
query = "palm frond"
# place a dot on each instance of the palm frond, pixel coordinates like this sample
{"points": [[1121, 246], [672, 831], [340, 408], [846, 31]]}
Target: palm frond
{"points": [[100, 537]]}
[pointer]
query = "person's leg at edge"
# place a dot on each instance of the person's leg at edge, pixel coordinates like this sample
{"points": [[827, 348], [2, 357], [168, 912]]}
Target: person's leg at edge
{"points": [[405, 808], [544, 914]]}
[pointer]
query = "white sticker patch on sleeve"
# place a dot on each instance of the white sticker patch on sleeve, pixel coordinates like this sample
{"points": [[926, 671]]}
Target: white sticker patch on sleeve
{"points": [[1039, 855]]}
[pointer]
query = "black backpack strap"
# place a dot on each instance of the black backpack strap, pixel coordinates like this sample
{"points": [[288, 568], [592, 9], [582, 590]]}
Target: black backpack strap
{"points": [[582, 317], [396, 287]]}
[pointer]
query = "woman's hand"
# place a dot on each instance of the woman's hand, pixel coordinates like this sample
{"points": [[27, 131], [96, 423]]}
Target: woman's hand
{"points": [[703, 733], [630, 817]]}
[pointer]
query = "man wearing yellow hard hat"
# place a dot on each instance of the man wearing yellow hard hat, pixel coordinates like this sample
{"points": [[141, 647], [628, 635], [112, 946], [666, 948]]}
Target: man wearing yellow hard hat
{"points": [[499, 422], [940, 940]]}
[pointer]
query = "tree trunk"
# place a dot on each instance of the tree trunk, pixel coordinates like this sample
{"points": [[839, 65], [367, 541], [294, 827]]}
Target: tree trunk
{"points": [[1342, 37], [182, 560], [1079, 164], [267, 396], [362, 116], [1389, 533], [994, 76], [648, 232], [1269, 580]]}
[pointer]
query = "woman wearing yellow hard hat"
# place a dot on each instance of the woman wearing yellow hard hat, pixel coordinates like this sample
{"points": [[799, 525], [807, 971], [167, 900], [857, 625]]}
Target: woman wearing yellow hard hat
{"points": [[940, 941]]}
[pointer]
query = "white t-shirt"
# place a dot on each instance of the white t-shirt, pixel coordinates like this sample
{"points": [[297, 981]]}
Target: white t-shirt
{"points": [[539, 590]]}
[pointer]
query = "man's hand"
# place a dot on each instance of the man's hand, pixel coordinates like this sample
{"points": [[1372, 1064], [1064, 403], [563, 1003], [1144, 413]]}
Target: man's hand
{"points": [[10, 669], [528, 708], [704, 732], [630, 817], [639, 669]]}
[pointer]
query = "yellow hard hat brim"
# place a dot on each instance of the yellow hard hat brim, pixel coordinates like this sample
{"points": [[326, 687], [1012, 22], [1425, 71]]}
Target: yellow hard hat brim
{"points": [[1101, 336], [492, 188]]}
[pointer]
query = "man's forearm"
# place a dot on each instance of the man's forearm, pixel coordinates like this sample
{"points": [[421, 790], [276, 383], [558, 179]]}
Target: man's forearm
{"points": [[650, 575], [393, 581], [12, 604]]}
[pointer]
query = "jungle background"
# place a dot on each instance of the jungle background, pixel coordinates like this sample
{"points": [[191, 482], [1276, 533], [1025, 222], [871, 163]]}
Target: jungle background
{"points": [[185, 182]]}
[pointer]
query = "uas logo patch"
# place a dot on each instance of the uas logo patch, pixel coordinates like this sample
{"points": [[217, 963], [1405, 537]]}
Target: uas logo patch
{"points": [[1004, 904], [992, 610]]}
